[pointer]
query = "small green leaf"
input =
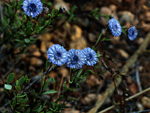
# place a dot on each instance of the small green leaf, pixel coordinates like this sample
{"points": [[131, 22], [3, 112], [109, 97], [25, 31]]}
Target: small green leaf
{"points": [[49, 92], [79, 73], [99, 37], [7, 86], [42, 77], [18, 87], [20, 81], [47, 64], [124, 32], [10, 77], [27, 40], [106, 39]]}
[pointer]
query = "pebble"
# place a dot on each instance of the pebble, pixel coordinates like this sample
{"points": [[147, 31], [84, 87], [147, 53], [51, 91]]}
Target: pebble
{"points": [[123, 53]]}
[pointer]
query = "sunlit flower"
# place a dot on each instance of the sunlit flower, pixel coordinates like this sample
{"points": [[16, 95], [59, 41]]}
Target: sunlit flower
{"points": [[76, 59], [114, 27], [91, 56], [32, 7], [132, 33], [57, 54]]}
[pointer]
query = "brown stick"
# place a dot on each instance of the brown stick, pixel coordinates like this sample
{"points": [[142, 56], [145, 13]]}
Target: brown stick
{"points": [[109, 91], [127, 99]]}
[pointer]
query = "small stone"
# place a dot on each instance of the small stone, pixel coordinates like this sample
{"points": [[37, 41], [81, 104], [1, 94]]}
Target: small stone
{"points": [[78, 44], [76, 33], [36, 61], [37, 53], [64, 72], [126, 16], [113, 8], [140, 41], [92, 37], [123, 53], [46, 36], [105, 10], [146, 102]]}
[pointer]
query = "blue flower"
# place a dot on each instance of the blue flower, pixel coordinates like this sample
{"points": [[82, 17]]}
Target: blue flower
{"points": [[91, 56], [57, 54], [32, 7], [114, 27], [132, 33], [76, 59]]}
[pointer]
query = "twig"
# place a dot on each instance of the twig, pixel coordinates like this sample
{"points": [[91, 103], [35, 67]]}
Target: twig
{"points": [[109, 91], [138, 77], [127, 99]]}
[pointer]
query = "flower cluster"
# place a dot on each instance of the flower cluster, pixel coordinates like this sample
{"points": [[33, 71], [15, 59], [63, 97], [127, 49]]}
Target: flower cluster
{"points": [[32, 7], [116, 29], [73, 58]]}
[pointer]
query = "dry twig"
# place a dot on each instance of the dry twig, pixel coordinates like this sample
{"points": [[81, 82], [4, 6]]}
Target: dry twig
{"points": [[109, 91]]}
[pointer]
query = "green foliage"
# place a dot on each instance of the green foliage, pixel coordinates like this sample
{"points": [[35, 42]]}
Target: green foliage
{"points": [[10, 78], [7, 86]]}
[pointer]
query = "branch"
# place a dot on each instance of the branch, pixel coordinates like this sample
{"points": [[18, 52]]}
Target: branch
{"points": [[109, 91], [127, 99]]}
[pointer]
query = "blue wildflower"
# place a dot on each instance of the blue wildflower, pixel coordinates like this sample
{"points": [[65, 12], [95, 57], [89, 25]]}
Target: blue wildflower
{"points": [[91, 57], [32, 7], [57, 54], [76, 59], [114, 27], [132, 33]]}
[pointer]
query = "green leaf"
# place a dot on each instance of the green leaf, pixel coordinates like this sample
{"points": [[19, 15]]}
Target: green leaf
{"points": [[7, 86], [106, 39], [49, 92], [99, 37], [124, 32], [47, 64], [10, 78], [18, 87], [27, 40], [42, 77], [20, 81], [79, 73], [49, 80]]}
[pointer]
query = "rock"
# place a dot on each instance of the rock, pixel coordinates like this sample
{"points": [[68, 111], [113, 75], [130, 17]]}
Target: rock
{"points": [[37, 53], [146, 102], [92, 37], [46, 37], [105, 11], [76, 32], [36, 61], [133, 88], [60, 3], [93, 81], [113, 8], [64, 72], [78, 44], [123, 53], [127, 17], [147, 16], [90, 98], [139, 41], [45, 45]]}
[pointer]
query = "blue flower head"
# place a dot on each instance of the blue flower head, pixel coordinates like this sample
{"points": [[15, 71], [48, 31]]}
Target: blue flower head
{"points": [[114, 27], [76, 59], [57, 54], [32, 7], [132, 33], [91, 57]]}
